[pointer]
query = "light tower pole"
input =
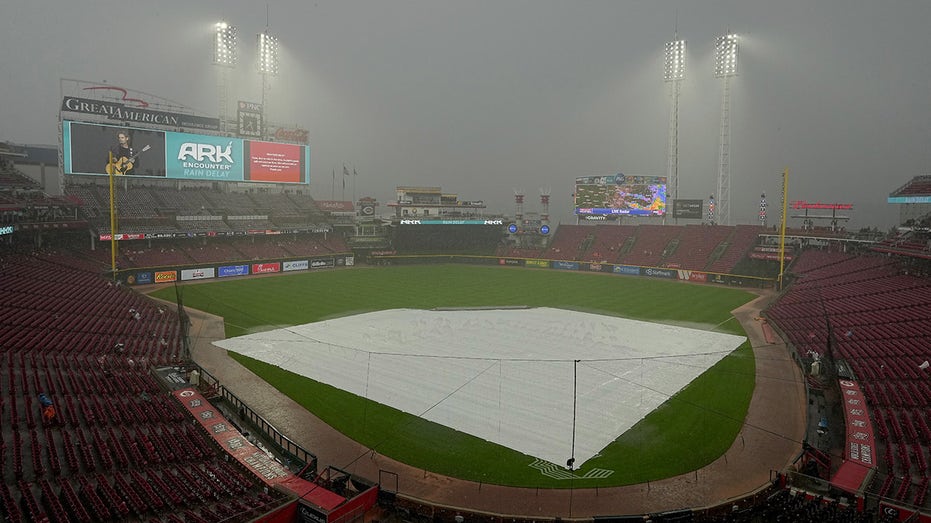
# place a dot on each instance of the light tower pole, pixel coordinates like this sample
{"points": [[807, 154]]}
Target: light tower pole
{"points": [[225, 58], [673, 74], [725, 66], [268, 66], [763, 210]]}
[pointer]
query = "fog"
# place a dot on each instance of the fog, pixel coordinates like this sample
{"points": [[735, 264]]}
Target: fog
{"points": [[485, 97]]}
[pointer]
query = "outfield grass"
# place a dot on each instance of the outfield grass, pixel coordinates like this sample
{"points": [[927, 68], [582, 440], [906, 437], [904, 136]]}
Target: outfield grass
{"points": [[690, 430]]}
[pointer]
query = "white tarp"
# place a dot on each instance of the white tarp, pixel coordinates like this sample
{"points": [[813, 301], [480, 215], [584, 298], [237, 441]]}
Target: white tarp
{"points": [[503, 375]]}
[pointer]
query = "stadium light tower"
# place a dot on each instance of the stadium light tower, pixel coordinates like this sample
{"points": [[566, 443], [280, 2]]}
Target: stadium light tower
{"points": [[225, 57], [673, 74], [268, 64], [725, 66]]}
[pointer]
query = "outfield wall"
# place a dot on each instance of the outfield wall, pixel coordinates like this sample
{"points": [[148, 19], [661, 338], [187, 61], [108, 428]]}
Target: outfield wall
{"points": [[148, 276], [736, 280], [207, 271]]}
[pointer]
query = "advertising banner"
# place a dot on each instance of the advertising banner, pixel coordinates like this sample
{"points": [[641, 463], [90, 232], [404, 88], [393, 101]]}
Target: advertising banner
{"points": [[688, 209], [122, 113], [233, 270], [140, 278], [692, 276], [324, 263], [203, 157], [596, 267], [263, 268], [566, 265], [166, 276], [627, 269], [543, 264], [297, 265], [406, 221], [350, 261], [659, 273], [120, 237], [510, 261], [198, 274], [768, 256]]}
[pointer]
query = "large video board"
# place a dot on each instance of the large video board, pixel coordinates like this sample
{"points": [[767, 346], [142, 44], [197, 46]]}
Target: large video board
{"points": [[94, 149], [620, 194]]}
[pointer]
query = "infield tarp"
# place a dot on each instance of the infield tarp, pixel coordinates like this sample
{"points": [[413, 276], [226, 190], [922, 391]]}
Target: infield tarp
{"points": [[503, 375]]}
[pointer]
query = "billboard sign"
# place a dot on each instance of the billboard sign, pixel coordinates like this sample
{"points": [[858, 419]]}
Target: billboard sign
{"points": [[93, 148], [406, 221], [166, 276], [122, 113], [659, 273], [620, 194], [202, 157], [297, 265], [232, 270], [140, 278], [324, 263], [197, 274], [627, 269], [687, 209], [687, 275], [262, 268], [566, 265]]}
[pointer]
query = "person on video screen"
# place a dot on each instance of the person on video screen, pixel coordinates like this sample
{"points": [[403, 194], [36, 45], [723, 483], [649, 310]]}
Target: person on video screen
{"points": [[122, 157]]}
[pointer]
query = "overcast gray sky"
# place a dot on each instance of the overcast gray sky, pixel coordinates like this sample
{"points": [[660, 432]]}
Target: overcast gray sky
{"points": [[485, 96]]}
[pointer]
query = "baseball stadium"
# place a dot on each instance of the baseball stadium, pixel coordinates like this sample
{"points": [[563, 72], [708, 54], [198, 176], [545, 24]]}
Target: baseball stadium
{"points": [[188, 336]]}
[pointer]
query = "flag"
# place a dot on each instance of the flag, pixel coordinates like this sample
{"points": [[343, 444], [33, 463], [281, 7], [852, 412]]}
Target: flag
{"points": [[344, 184], [354, 173], [345, 170]]}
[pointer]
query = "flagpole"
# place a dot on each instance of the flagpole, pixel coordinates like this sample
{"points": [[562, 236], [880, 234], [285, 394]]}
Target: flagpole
{"points": [[345, 174], [354, 174], [333, 187]]}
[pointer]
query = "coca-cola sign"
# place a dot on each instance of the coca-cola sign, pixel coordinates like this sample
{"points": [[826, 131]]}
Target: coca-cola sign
{"points": [[291, 135]]}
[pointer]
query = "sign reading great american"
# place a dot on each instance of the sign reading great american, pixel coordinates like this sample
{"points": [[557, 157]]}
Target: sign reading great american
{"points": [[121, 112]]}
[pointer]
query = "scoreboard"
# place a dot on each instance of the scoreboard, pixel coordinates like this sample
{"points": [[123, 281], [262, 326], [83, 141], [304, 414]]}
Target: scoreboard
{"points": [[87, 150], [620, 194]]}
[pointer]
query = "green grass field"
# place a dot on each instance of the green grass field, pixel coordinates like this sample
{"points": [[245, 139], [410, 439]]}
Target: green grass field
{"points": [[690, 430]]}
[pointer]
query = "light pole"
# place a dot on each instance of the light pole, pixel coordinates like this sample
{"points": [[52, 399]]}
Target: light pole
{"points": [[725, 66], [673, 74], [225, 58], [268, 66], [711, 209], [763, 206]]}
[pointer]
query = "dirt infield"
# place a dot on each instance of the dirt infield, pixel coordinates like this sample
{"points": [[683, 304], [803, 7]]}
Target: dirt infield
{"points": [[770, 439]]}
